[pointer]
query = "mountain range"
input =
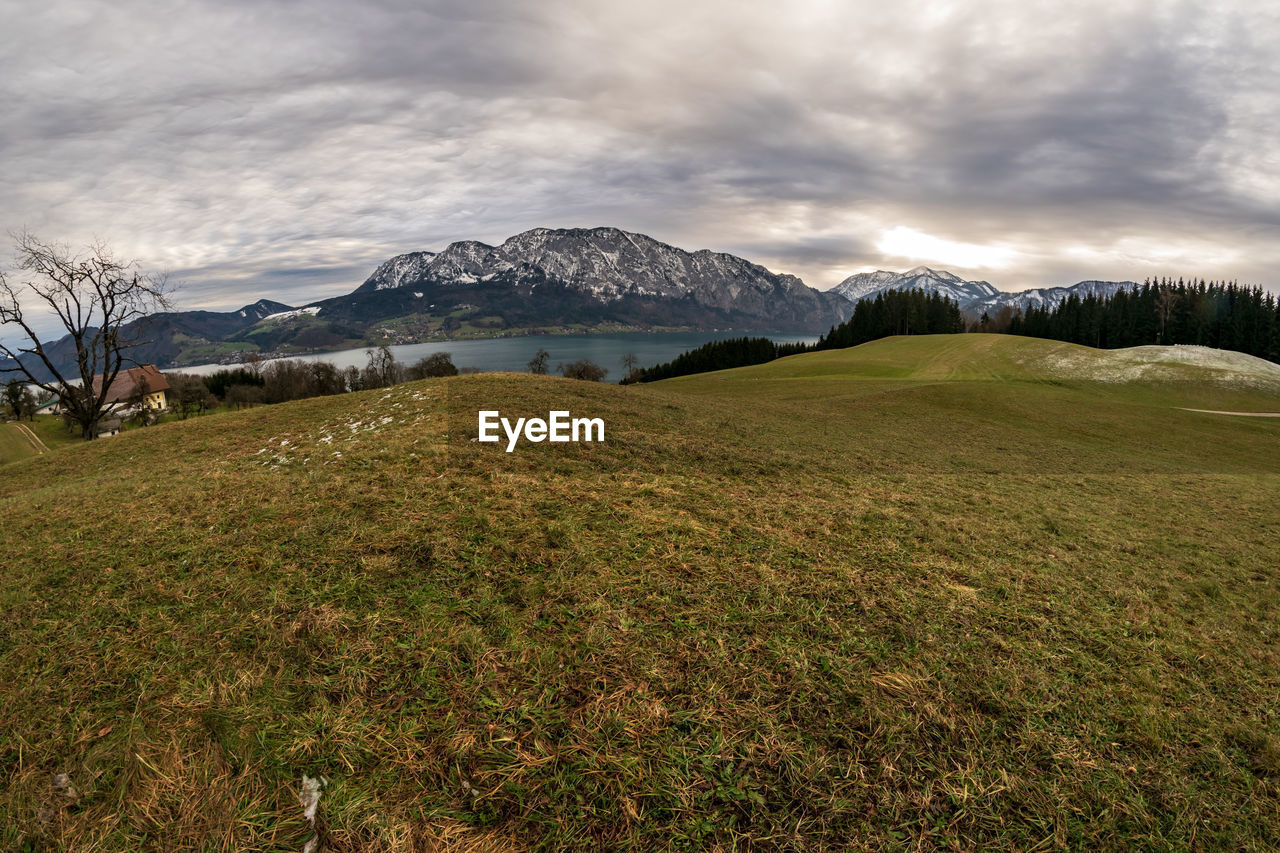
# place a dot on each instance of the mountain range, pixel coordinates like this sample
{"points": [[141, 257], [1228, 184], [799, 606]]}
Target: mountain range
{"points": [[581, 276], [1046, 297], [973, 297], [547, 281], [868, 284]]}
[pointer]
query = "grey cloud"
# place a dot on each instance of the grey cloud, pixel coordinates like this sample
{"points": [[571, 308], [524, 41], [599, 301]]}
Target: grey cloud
{"points": [[231, 141]]}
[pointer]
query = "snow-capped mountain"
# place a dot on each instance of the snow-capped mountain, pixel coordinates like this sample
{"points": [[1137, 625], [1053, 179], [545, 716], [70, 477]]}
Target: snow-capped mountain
{"points": [[1046, 297], [609, 265], [861, 285], [973, 297], [260, 310], [556, 280], [402, 268]]}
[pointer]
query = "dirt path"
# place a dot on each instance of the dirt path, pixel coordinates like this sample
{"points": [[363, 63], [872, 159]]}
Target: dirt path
{"points": [[32, 438], [1241, 414]]}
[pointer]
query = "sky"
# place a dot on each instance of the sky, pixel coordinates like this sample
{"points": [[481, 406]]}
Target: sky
{"points": [[283, 149]]}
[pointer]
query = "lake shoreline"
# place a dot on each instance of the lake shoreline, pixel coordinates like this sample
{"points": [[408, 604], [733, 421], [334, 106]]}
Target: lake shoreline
{"points": [[512, 353], [250, 356]]}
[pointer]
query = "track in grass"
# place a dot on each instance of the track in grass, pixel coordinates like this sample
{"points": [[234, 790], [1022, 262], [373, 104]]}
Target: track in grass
{"points": [[18, 442]]}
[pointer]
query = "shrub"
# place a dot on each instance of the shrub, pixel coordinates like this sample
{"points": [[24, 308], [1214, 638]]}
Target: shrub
{"points": [[583, 368]]}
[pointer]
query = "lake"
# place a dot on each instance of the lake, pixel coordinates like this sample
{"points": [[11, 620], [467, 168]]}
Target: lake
{"points": [[513, 354]]}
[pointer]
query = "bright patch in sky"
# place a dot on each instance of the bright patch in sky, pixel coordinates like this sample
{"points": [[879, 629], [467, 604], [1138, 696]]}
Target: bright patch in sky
{"points": [[904, 242]]}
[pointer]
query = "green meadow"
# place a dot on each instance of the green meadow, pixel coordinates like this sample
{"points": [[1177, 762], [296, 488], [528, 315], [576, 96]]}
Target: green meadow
{"points": [[942, 593], [14, 444]]}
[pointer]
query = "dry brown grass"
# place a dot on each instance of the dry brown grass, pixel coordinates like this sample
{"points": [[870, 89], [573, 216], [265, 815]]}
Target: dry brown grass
{"points": [[737, 624]]}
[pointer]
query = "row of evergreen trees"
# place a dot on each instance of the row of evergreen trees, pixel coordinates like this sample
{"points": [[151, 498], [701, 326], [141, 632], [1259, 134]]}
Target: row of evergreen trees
{"points": [[717, 355], [894, 312], [1211, 314]]}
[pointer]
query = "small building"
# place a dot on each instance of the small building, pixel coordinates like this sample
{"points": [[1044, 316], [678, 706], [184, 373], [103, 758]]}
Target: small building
{"points": [[143, 386], [108, 427], [52, 407]]}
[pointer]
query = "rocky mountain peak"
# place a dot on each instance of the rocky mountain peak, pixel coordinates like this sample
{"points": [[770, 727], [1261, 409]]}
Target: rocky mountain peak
{"points": [[608, 264], [262, 308], [950, 285]]}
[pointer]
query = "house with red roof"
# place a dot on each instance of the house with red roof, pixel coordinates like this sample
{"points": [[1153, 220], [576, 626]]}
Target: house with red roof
{"points": [[143, 386]]}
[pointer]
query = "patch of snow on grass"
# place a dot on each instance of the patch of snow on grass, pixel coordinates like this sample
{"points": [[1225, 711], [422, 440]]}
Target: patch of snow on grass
{"points": [[350, 428], [1158, 363], [1217, 359]]}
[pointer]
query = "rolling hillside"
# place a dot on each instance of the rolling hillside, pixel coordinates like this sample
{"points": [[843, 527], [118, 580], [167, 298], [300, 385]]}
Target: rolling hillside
{"points": [[927, 593], [1015, 358]]}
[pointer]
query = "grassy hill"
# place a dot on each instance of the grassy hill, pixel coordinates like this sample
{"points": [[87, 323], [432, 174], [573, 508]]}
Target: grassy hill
{"points": [[1010, 358], [15, 443], [920, 594]]}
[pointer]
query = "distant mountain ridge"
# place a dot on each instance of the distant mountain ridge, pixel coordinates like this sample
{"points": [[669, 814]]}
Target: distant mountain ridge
{"points": [[163, 334], [543, 280], [1047, 297], [861, 285], [973, 297], [551, 281], [610, 264], [260, 310], [572, 277]]}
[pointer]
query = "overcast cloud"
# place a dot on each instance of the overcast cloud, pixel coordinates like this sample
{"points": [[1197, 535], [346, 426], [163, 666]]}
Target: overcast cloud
{"points": [[284, 149]]}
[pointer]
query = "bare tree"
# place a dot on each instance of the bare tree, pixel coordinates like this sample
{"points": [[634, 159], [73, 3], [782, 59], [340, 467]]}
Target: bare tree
{"points": [[143, 414], [436, 364], [253, 363], [629, 362], [192, 395], [95, 296], [383, 370], [19, 400], [538, 364], [584, 369], [351, 378], [244, 396]]}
